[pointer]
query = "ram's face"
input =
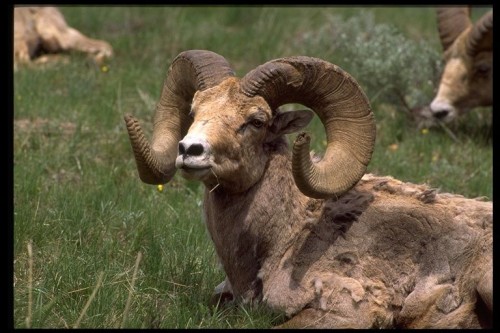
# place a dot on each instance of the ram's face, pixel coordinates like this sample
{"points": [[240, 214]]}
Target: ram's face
{"points": [[224, 134], [225, 143], [465, 83]]}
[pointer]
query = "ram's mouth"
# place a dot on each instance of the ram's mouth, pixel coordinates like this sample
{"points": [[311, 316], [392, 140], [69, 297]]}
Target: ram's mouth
{"points": [[193, 168], [195, 173]]}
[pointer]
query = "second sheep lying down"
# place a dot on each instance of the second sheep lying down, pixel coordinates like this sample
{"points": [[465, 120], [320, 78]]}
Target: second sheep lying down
{"points": [[315, 238], [43, 30]]}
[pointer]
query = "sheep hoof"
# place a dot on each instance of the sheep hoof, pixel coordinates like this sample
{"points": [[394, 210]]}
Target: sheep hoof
{"points": [[221, 299]]}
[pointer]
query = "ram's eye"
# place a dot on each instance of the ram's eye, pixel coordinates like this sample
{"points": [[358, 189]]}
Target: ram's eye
{"points": [[482, 69], [257, 123]]}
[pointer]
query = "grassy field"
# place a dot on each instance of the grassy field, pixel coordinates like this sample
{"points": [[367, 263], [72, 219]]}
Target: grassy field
{"points": [[95, 248]]}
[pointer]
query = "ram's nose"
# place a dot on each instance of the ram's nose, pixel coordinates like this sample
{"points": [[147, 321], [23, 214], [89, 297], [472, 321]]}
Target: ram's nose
{"points": [[440, 114], [193, 153], [191, 149], [441, 110]]}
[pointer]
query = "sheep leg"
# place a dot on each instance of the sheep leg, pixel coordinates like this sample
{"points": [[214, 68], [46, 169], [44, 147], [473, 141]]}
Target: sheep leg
{"points": [[57, 36], [223, 293]]}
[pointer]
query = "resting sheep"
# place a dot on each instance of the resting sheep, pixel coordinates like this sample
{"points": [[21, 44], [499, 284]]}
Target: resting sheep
{"points": [[43, 30], [314, 237], [467, 78]]}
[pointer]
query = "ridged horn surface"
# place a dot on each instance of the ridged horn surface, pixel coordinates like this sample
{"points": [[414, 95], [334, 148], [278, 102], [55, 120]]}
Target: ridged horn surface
{"points": [[452, 21], [481, 36], [343, 109], [190, 71]]}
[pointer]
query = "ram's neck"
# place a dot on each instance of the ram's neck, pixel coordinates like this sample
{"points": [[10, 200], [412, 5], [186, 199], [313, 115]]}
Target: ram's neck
{"points": [[255, 228]]}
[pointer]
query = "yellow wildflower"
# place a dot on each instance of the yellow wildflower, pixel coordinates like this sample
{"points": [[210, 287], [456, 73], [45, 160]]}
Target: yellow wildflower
{"points": [[394, 147]]}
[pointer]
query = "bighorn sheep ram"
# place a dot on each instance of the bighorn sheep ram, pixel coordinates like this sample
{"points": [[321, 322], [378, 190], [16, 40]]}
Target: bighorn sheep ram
{"points": [[316, 238], [39, 30], [467, 79]]}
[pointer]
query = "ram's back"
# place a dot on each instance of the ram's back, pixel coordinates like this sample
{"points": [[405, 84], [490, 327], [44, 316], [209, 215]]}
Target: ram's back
{"points": [[388, 254]]}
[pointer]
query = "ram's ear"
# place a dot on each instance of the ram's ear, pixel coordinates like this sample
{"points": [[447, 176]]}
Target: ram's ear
{"points": [[291, 121]]}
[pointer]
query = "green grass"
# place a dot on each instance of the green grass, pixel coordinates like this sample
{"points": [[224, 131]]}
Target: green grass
{"points": [[80, 204]]}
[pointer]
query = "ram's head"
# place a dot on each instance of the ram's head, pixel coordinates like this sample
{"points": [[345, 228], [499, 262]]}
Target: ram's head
{"points": [[216, 127], [467, 78]]}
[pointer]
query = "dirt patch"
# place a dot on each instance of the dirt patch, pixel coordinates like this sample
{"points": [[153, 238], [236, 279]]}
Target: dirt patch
{"points": [[42, 125]]}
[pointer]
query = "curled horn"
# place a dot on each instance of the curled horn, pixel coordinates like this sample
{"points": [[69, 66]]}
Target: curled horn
{"points": [[341, 105], [481, 36], [190, 71], [452, 21]]}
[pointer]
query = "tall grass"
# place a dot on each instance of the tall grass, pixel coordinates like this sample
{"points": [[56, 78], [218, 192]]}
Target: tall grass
{"points": [[96, 248]]}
